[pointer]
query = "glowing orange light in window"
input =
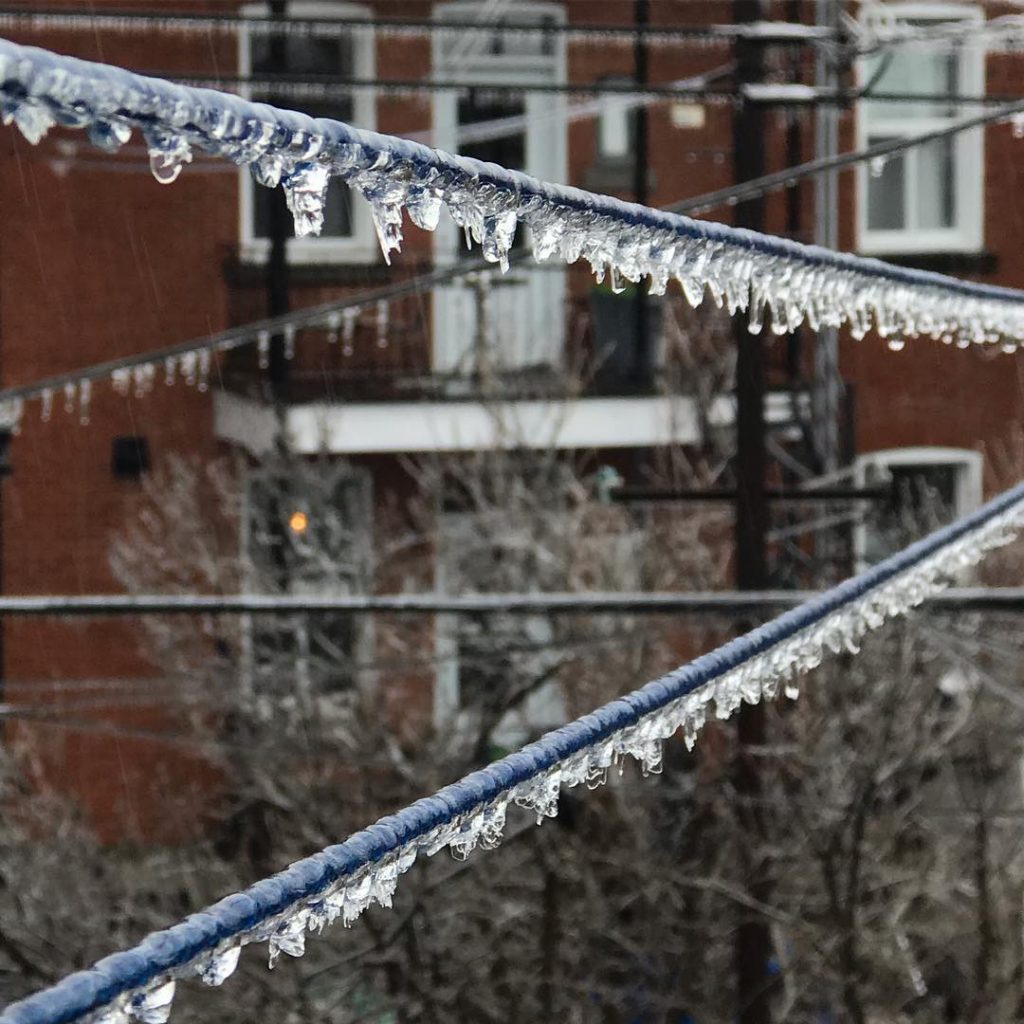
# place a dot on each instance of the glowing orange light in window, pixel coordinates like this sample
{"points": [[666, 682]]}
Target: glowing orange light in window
{"points": [[298, 522]]}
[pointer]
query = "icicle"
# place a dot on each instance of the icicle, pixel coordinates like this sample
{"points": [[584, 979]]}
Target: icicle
{"points": [[11, 411], [84, 400], [170, 366], [333, 323], [499, 232], [220, 966], [289, 341], [289, 938], [305, 191], [122, 381], [896, 344], [189, 362], [424, 206], [348, 328], [263, 349], [154, 1007], [32, 117], [109, 136], [139, 381], [876, 165], [70, 391], [383, 311], [46, 404], [204, 369], [167, 155], [387, 220]]}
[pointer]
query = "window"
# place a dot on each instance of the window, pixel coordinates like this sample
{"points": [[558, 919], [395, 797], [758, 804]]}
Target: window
{"points": [[500, 669], [522, 130], [616, 125], [307, 532], [927, 198], [929, 487], [347, 234]]}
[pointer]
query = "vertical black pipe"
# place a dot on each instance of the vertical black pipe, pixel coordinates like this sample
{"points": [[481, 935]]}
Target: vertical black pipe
{"points": [[278, 303], [753, 939], [642, 351], [280, 230]]}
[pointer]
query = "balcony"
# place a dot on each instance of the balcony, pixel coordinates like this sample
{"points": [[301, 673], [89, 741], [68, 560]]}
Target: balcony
{"points": [[395, 381]]}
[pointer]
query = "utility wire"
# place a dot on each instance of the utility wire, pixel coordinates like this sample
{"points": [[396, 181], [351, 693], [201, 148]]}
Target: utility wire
{"points": [[791, 175], [471, 812], [234, 337], [712, 602], [120, 20], [317, 316]]}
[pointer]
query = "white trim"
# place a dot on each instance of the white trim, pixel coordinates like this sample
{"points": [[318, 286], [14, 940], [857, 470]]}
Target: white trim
{"points": [[400, 427], [529, 317], [362, 246], [967, 234], [968, 483]]}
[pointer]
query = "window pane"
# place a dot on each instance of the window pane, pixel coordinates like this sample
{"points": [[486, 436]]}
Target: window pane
{"points": [[306, 56], [886, 192], [616, 128], [936, 203], [923, 498], [917, 72], [507, 149]]}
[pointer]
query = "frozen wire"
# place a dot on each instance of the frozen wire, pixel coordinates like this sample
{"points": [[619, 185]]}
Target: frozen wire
{"points": [[742, 270], [342, 881], [38, 19]]}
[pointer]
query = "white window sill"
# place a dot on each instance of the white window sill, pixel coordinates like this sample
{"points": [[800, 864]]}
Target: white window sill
{"points": [[309, 252]]}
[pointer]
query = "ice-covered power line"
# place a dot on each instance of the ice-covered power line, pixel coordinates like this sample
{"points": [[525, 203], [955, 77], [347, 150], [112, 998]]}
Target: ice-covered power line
{"points": [[876, 155], [39, 19], [704, 603], [342, 881], [191, 361], [742, 270], [287, 86]]}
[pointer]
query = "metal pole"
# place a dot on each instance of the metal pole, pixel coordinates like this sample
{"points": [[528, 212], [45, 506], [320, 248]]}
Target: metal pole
{"points": [[827, 382], [641, 357], [753, 940]]}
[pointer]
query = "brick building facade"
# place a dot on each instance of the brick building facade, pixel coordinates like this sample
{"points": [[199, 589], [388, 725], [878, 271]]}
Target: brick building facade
{"points": [[97, 261]]}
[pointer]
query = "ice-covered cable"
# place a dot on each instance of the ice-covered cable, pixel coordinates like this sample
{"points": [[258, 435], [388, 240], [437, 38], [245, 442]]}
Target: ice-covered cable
{"points": [[742, 270], [340, 882]]}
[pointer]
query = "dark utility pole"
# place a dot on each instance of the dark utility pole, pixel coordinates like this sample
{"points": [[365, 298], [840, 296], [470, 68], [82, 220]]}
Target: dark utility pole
{"points": [[279, 230], [753, 939], [642, 353], [278, 303]]}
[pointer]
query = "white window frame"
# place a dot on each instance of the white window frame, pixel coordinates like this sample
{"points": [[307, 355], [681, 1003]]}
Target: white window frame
{"points": [[967, 234], [867, 467], [362, 246], [522, 311], [364, 677]]}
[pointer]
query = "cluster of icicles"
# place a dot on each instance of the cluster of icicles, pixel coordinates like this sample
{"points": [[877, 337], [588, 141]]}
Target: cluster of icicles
{"points": [[778, 668], [184, 24], [772, 280], [194, 367]]}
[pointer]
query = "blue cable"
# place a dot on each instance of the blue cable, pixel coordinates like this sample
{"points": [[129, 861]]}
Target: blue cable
{"points": [[84, 93], [125, 972]]}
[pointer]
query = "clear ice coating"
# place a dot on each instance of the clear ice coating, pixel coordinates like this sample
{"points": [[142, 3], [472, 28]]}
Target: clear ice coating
{"points": [[154, 1005], [777, 668], [220, 966], [774, 282], [777, 283]]}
